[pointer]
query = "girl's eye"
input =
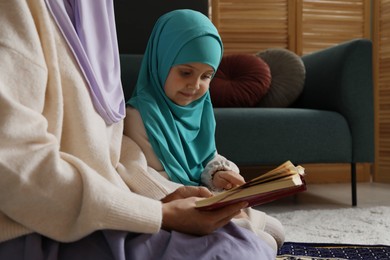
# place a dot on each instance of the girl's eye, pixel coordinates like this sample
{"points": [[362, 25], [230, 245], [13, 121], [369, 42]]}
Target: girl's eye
{"points": [[207, 76], [185, 73]]}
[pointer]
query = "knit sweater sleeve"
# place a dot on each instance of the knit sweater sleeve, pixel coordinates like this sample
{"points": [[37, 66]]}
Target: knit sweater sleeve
{"points": [[135, 129], [59, 161], [51, 192], [218, 163], [142, 178]]}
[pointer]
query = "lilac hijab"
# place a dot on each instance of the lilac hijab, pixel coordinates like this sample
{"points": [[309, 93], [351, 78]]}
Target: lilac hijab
{"points": [[89, 28]]}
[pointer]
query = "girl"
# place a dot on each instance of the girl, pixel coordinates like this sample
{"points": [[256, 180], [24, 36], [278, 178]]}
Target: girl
{"points": [[171, 116]]}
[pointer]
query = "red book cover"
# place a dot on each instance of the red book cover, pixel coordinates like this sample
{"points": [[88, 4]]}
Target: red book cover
{"points": [[259, 199], [284, 180]]}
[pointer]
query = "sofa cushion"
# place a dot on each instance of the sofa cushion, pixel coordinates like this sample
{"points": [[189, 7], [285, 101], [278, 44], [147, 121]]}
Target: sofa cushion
{"points": [[270, 136], [288, 76], [240, 81]]}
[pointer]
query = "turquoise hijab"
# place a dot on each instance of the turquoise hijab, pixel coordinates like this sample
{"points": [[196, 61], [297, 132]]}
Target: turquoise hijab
{"points": [[183, 137]]}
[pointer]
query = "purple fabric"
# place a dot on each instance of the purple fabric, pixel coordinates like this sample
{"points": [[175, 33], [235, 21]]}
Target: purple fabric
{"points": [[89, 28], [229, 242]]}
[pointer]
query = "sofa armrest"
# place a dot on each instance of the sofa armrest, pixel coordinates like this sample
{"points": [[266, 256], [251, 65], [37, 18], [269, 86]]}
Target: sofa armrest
{"points": [[339, 79], [130, 65]]}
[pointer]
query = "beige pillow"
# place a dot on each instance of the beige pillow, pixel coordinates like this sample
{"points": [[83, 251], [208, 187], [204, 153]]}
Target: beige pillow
{"points": [[287, 77]]}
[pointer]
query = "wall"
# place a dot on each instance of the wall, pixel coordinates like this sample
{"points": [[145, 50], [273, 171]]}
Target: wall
{"points": [[135, 19]]}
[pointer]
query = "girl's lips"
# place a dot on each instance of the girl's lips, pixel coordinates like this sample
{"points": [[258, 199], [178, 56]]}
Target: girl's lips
{"points": [[187, 94]]}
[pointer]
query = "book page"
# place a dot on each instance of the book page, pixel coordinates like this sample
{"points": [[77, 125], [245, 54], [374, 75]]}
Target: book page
{"points": [[283, 183], [283, 176]]}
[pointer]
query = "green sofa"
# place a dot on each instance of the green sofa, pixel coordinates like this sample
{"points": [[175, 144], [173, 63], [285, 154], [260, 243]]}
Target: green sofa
{"points": [[331, 122]]}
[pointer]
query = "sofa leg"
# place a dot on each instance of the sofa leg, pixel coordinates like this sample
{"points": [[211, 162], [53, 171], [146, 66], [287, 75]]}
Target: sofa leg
{"points": [[353, 184]]}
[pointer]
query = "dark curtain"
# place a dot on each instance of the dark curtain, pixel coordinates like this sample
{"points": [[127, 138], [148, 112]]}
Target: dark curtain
{"points": [[135, 19]]}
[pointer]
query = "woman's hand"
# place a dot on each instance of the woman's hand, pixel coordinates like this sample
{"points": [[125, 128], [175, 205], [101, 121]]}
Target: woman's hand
{"points": [[227, 179], [186, 192], [181, 215]]}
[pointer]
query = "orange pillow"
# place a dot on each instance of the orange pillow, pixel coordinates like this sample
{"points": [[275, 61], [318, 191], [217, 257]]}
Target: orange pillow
{"points": [[240, 81]]}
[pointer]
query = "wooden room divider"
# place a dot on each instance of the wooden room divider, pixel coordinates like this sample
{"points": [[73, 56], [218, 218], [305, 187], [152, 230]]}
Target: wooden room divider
{"points": [[302, 26]]}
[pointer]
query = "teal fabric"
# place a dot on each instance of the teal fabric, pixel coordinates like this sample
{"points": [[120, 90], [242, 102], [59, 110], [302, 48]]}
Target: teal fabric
{"points": [[339, 79], [270, 136], [204, 49], [181, 136]]}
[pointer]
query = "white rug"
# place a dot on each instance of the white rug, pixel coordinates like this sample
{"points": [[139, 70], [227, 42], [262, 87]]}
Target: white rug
{"points": [[365, 226]]}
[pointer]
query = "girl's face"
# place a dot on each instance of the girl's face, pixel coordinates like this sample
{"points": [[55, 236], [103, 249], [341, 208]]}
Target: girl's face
{"points": [[188, 82]]}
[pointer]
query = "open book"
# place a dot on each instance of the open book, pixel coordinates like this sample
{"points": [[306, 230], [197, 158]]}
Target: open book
{"points": [[282, 181]]}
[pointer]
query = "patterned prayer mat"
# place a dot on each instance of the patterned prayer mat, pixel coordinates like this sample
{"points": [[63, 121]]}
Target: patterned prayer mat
{"points": [[304, 251]]}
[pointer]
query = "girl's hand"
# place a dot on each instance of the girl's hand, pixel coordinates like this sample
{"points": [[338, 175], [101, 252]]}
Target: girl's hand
{"points": [[227, 179]]}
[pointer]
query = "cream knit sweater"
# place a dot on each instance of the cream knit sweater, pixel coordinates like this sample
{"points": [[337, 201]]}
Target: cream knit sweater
{"points": [[63, 172]]}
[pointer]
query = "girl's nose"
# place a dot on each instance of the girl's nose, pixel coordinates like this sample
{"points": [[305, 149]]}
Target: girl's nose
{"points": [[194, 84]]}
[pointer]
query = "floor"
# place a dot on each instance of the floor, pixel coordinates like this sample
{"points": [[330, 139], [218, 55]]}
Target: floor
{"points": [[328, 196]]}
